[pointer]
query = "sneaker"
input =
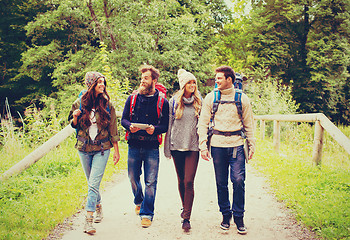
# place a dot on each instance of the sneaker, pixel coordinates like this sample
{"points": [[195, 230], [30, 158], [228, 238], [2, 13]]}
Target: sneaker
{"points": [[225, 224], [99, 214], [137, 209], [186, 226], [146, 222], [88, 228], [241, 229]]}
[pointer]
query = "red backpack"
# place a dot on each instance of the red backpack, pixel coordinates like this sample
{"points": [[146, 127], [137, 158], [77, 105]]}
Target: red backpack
{"points": [[161, 97]]}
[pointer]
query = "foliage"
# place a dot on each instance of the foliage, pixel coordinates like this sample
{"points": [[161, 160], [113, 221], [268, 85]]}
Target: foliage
{"points": [[64, 40], [269, 95], [15, 14], [318, 196], [304, 43]]}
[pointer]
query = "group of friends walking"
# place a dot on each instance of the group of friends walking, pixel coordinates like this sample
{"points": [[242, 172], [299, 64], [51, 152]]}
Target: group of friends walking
{"points": [[186, 119]]}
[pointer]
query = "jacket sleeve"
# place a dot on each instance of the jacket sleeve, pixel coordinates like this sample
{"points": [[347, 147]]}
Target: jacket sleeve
{"points": [[167, 140], [113, 125], [164, 120], [75, 106], [126, 114]]}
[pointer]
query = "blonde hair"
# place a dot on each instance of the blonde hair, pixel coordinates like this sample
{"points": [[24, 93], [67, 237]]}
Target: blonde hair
{"points": [[179, 103]]}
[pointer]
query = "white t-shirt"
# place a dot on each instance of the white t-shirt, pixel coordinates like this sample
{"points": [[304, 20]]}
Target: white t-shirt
{"points": [[93, 129]]}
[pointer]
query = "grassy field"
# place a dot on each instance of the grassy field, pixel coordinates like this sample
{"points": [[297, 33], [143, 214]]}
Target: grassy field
{"points": [[319, 196], [34, 202]]}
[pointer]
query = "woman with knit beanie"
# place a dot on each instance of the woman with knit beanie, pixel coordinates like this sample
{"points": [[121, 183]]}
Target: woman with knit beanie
{"points": [[95, 119], [181, 141]]}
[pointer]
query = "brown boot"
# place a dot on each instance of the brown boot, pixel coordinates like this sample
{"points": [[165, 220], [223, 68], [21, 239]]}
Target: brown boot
{"points": [[88, 228], [99, 214]]}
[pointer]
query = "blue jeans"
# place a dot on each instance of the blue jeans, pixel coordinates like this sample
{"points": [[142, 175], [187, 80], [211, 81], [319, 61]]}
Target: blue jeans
{"points": [[94, 165], [230, 160], [150, 160]]}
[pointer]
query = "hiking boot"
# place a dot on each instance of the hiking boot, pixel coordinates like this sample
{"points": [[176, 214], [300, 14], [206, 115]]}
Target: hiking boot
{"points": [[88, 228], [186, 226], [99, 214], [241, 229], [137, 209], [225, 224], [146, 222]]}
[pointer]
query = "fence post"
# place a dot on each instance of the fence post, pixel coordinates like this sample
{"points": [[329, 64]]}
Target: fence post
{"points": [[262, 129], [318, 143], [276, 135]]}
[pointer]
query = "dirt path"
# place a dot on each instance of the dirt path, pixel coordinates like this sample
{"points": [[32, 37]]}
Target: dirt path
{"points": [[265, 217]]}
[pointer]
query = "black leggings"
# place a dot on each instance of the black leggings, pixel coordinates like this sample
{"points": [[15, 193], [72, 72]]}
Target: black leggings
{"points": [[186, 166]]}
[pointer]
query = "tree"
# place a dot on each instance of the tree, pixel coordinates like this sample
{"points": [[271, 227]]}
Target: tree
{"points": [[15, 14], [304, 43]]}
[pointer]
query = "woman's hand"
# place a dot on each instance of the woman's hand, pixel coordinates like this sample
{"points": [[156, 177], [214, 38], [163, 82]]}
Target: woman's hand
{"points": [[76, 114], [116, 155]]}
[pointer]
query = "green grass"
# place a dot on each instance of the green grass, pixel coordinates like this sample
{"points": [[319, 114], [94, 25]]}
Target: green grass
{"points": [[319, 196], [53, 189], [44, 195]]}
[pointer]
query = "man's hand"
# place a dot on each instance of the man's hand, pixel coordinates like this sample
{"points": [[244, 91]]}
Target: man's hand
{"points": [[205, 155], [150, 130], [250, 156], [134, 129]]}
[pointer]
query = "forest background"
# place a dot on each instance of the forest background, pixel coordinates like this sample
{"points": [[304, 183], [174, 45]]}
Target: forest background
{"points": [[47, 46]]}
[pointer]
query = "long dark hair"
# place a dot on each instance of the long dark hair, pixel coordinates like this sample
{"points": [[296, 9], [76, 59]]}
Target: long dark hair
{"points": [[99, 103]]}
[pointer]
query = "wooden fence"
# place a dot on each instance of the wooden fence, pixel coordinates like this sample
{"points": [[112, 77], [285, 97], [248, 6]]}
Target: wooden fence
{"points": [[321, 123], [41, 151]]}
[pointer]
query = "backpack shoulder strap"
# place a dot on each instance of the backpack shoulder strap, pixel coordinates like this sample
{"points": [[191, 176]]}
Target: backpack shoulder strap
{"points": [[160, 103], [238, 102], [216, 102], [132, 105]]}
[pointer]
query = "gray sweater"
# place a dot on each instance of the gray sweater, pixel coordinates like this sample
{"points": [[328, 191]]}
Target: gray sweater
{"points": [[182, 133]]}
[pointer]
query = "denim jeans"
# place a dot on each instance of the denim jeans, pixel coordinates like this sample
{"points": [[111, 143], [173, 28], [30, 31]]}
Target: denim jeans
{"points": [[94, 165], [230, 160], [149, 157]]}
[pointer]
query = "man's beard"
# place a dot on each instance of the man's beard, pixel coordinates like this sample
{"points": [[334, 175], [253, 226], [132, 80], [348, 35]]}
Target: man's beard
{"points": [[145, 90]]}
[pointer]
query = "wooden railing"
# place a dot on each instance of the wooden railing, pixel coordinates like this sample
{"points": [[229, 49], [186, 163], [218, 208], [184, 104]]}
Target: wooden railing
{"points": [[41, 151], [321, 123]]}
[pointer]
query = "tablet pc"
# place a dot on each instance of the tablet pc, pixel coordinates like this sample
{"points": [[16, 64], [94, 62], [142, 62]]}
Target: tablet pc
{"points": [[140, 125]]}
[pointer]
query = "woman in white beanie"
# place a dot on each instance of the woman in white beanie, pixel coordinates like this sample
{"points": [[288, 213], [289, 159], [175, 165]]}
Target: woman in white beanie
{"points": [[181, 141]]}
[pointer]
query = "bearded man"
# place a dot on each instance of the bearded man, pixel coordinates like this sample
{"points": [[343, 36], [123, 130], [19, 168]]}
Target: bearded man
{"points": [[144, 123]]}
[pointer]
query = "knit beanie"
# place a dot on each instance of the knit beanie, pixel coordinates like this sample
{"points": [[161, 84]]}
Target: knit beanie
{"points": [[185, 77], [91, 78]]}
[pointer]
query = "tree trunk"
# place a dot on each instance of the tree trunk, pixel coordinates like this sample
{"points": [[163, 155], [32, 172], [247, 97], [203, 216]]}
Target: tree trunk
{"points": [[110, 32], [94, 18]]}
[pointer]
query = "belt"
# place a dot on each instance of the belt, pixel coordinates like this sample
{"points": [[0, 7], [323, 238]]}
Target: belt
{"points": [[143, 138], [93, 142], [227, 134]]}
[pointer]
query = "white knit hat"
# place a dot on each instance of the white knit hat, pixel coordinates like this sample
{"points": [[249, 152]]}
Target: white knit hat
{"points": [[185, 77]]}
